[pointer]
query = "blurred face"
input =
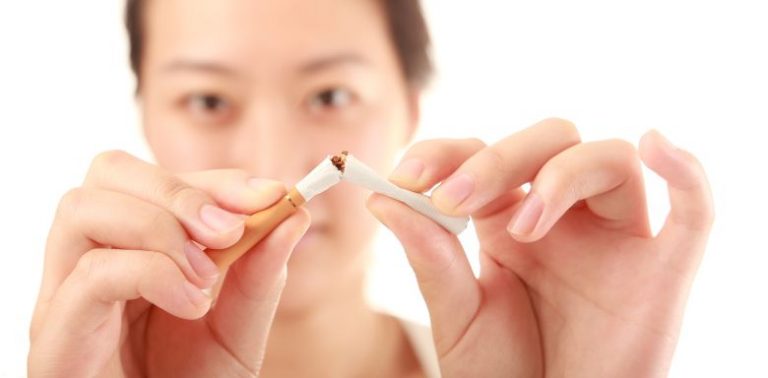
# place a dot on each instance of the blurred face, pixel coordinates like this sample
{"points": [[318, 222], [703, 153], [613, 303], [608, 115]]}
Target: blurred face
{"points": [[272, 87]]}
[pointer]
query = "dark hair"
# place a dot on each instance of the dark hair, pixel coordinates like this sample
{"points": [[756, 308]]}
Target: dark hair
{"points": [[406, 22]]}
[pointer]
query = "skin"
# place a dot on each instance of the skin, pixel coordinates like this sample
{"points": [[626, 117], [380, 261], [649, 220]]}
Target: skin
{"points": [[211, 102], [572, 281], [584, 289]]}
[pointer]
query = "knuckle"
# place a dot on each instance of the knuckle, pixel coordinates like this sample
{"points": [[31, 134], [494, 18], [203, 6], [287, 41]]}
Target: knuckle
{"points": [[695, 177], [438, 148], [558, 176], [108, 160], [710, 215], [707, 216], [458, 147], [495, 161], [559, 122], [103, 163], [693, 162], [90, 268], [70, 202], [565, 128], [160, 264], [473, 144], [178, 194], [699, 219], [160, 222], [165, 230], [623, 151], [623, 147], [702, 216]]}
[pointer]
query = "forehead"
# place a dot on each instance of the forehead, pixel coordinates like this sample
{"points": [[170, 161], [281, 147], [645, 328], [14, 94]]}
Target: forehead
{"points": [[264, 32]]}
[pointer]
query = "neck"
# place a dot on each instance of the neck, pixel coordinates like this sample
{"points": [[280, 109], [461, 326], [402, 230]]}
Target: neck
{"points": [[342, 337]]}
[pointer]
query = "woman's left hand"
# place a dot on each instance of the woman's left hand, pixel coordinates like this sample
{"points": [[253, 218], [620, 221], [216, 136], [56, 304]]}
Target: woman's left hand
{"points": [[572, 281]]}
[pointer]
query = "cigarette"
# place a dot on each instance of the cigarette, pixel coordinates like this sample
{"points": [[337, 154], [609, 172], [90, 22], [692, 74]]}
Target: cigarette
{"points": [[325, 175], [261, 223], [356, 172]]}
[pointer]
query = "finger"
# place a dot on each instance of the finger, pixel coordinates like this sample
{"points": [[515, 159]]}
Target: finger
{"points": [[445, 278], [427, 163], [206, 222], [251, 291], [235, 189], [606, 174], [87, 306], [691, 209], [86, 220], [503, 166]]}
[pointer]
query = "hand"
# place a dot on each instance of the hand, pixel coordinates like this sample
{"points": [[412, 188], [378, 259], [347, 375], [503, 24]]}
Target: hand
{"points": [[572, 282], [123, 287]]}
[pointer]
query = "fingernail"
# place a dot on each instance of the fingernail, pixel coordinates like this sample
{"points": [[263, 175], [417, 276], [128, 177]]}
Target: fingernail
{"points": [[201, 263], [195, 295], [408, 171], [218, 219], [527, 216], [455, 190]]}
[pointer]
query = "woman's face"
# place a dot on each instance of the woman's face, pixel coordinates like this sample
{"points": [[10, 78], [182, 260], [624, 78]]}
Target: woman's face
{"points": [[272, 87]]}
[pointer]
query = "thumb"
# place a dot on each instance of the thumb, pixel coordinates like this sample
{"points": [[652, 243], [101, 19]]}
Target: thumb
{"points": [[243, 314], [691, 210], [443, 273]]}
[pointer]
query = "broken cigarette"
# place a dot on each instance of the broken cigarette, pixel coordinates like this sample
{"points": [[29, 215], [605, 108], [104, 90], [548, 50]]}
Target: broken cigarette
{"points": [[325, 175], [358, 173]]}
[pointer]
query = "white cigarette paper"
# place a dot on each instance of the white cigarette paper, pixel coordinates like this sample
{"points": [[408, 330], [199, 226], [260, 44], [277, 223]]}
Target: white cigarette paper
{"points": [[325, 175], [358, 173], [321, 178]]}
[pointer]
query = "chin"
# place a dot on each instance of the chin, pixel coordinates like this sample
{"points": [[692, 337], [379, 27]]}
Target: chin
{"points": [[320, 270]]}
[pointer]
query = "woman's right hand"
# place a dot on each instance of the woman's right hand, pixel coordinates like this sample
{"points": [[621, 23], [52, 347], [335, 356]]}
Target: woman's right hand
{"points": [[124, 284]]}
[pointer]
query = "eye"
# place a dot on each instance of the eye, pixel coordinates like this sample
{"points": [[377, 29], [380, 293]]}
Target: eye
{"points": [[208, 107], [331, 98], [208, 103]]}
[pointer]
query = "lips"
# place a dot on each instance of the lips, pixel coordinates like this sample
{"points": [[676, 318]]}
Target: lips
{"points": [[311, 236]]}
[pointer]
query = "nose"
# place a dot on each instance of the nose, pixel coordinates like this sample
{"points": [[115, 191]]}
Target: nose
{"points": [[270, 144]]}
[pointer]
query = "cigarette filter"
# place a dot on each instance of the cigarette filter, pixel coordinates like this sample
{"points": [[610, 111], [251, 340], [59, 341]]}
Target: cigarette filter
{"points": [[260, 224]]}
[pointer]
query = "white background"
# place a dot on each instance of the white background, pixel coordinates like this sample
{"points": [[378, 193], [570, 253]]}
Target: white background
{"points": [[697, 70]]}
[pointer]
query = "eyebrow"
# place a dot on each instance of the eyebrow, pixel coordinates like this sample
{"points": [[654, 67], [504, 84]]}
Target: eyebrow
{"points": [[313, 66], [198, 65], [330, 61]]}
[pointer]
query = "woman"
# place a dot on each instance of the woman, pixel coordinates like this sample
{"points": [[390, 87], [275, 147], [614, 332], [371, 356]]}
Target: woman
{"points": [[239, 97]]}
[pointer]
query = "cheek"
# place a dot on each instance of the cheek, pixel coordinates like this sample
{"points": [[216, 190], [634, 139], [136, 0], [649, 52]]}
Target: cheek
{"points": [[379, 139], [179, 147]]}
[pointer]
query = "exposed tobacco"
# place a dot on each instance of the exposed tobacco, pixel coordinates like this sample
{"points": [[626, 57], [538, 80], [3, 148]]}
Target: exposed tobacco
{"points": [[339, 161]]}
